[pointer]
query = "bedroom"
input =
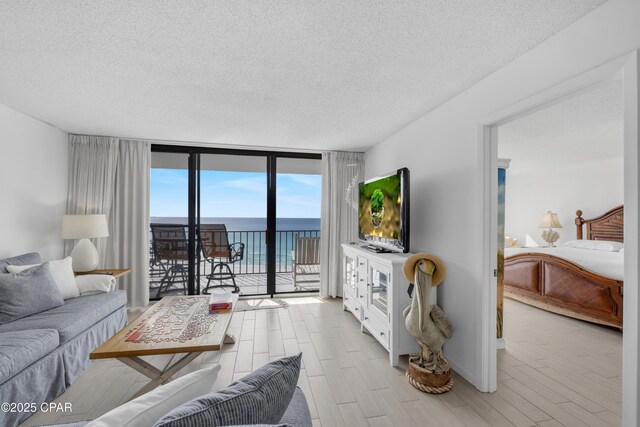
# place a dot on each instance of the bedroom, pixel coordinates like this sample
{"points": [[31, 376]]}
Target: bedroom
{"points": [[563, 305]]}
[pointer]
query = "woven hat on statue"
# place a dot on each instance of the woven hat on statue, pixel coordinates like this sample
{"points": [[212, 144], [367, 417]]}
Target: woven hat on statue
{"points": [[411, 263]]}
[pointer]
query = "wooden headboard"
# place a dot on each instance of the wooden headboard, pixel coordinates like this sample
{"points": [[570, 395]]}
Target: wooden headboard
{"points": [[608, 226]]}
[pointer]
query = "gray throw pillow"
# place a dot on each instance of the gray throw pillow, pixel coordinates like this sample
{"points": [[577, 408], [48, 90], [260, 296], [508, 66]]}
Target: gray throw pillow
{"points": [[261, 397], [24, 259], [28, 292]]}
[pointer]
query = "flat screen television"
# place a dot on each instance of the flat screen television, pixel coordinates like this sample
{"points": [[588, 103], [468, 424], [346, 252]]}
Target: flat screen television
{"points": [[383, 216]]}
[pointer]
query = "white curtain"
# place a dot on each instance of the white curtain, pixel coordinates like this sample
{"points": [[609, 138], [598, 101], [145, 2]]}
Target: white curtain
{"points": [[341, 173], [92, 169], [129, 220], [111, 176]]}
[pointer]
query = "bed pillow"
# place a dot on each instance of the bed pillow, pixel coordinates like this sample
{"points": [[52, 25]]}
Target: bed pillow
{"points": [[596, 245], [510, 242], [261, 397], [29, 292], [150, 407], [62, 273]]}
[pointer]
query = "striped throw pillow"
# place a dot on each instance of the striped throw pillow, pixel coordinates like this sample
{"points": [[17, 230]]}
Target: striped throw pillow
{"points": [[261, 397]]}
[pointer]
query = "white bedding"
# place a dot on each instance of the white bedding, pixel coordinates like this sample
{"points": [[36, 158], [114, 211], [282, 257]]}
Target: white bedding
{"points": [[606, 264]]}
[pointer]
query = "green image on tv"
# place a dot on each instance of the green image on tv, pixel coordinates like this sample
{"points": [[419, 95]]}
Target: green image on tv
{"points": [[380, 207]]}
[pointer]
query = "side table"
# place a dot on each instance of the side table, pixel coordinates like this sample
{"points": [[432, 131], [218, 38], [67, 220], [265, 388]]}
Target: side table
{"points": [[115, 272]]}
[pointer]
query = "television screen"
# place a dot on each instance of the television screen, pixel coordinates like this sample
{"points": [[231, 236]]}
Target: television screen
{"points": [[383, 213]]}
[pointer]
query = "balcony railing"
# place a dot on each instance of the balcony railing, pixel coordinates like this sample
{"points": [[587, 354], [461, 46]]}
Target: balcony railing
{"points": [[255, 253]]}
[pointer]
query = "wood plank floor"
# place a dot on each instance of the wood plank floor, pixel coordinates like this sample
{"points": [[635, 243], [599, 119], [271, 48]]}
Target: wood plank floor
{"points": [[555, 371]]}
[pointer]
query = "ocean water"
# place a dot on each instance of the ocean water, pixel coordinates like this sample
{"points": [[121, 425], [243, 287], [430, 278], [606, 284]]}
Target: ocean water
{"points": [[248, 224], [251, 232]]}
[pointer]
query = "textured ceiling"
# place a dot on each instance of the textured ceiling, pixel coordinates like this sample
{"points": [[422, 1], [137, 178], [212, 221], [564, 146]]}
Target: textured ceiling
{"points": [[317, 75], [584, 128]]}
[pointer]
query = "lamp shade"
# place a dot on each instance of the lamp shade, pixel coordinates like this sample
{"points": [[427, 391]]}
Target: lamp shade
{"points": [[550, 220], [84, 226]]}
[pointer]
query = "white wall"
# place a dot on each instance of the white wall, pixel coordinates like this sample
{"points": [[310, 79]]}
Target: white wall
{"points": [[442, 151], [593, 187], [33, 173]]}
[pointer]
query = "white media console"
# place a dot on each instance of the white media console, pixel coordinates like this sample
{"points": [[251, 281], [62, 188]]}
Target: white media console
{"points": [[375, 291]]}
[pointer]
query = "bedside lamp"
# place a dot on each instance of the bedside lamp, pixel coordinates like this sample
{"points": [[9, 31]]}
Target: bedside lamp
{"points": [[549, 221], [85, 255]]}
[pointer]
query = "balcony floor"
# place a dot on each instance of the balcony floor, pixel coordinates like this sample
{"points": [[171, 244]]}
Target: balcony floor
{"points": [[251, 284], [257, 283]]}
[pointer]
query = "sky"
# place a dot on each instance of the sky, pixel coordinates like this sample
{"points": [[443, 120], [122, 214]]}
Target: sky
{"points": [[235, 194]]}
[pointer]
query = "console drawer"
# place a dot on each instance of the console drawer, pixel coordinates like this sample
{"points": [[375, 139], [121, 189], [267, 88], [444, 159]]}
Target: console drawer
{"points": [[363, 290], [380, 332], [351, 303], [349, 293], [362, 263], [362, 266]]}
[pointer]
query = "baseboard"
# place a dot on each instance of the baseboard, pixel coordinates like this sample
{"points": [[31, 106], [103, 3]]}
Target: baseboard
{"points": [[461, 371]]}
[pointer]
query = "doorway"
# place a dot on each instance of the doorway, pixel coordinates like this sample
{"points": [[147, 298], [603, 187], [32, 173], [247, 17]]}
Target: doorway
{"points": [[238, 215], [558, 303], [626, 66]]}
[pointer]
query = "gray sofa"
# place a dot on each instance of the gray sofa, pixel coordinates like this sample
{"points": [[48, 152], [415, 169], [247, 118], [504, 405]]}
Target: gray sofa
{"points": [[43, 354]]}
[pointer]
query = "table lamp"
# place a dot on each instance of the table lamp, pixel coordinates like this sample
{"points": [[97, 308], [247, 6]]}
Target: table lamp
{"points": [[549, 221], [84, 254]]}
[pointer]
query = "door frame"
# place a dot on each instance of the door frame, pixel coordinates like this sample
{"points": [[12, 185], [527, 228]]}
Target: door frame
{"points": [[625, 67], [271, 157]]}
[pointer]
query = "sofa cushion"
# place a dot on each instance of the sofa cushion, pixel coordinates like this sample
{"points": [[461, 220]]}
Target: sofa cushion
{"points": [[24, 259], [261, 397], [62, 273], [29, 292], [74, 317], [297, 413], [20, 349], [145, 410]]}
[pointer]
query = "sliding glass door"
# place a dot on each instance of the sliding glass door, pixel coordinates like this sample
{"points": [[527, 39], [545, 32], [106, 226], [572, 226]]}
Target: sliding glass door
{"points": [[169, 233], [298, 198], [233, 223], [231, 220]]}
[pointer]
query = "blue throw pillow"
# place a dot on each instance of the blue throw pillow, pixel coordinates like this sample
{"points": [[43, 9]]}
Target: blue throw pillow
{"points": [[24, 259], [261, 397], [28, 292]]}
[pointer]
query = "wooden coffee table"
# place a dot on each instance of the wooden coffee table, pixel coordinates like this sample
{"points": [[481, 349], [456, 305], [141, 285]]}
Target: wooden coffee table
{"points": [[176, 324]]}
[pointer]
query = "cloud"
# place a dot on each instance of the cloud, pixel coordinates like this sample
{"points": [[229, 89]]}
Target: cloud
{"points": [[300, 200], [310, 180], [237, 194], [255, 185]]}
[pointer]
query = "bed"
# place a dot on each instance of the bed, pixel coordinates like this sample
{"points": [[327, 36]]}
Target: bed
{"points": [[581, 283]]}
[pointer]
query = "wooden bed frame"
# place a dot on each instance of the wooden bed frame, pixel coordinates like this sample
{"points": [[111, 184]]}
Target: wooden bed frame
{"points": [[560, 286]]}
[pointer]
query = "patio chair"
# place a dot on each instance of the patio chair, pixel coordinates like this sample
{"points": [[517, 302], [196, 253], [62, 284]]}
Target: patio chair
{"points": [[305, 262], [156, 268], [216, 249], [170, 254]]}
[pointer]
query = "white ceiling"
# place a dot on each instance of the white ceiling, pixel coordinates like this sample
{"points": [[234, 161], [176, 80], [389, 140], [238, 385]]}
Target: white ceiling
{"points": [[316, 75], [585, 128]]}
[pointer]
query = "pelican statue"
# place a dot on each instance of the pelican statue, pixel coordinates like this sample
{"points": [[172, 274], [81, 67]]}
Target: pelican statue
{"points": [[426, 322]]}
